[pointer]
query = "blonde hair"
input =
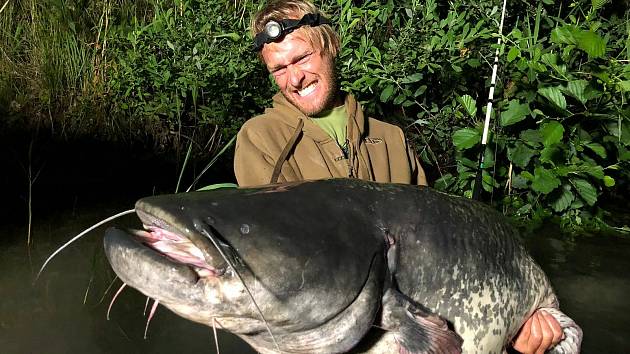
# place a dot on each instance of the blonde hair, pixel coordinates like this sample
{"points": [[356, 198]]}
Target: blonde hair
{"points": [[322, 37]]}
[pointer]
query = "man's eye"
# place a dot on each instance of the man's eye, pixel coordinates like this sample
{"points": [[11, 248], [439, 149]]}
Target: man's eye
{"points": [[304, 59], [279, 72]]}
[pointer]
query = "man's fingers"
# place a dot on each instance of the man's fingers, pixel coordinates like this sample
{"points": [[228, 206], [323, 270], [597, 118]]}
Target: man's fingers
{"points": [[536, 335], [546, 333], [558, 334], [522, 338]]}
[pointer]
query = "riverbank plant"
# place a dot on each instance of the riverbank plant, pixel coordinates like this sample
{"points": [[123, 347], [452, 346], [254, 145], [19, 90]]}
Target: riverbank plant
{"points": [[180, 75]]}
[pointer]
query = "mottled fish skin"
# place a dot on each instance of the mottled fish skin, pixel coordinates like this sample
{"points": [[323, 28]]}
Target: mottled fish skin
{"points": [[476, 274], [319, 256]]}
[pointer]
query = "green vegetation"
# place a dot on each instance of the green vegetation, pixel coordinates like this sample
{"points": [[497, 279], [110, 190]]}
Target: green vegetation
{"points": [[180, 74]]}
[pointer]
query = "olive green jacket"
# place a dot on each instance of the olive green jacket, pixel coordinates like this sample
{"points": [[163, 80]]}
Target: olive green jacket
{"points": [[285, 140]]}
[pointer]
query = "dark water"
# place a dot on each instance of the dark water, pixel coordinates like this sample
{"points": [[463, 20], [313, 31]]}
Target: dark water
{"points": [[56, 315]]}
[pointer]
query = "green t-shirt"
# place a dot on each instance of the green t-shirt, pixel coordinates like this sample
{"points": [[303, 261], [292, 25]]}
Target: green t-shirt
{"points": [[334, 123]]}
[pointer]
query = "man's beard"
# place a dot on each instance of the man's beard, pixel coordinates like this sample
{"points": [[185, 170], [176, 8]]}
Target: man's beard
{"points": [[330, 98]]}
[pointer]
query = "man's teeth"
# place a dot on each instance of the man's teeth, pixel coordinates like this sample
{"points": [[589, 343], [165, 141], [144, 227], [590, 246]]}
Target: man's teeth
{"points": [[307, 90]]}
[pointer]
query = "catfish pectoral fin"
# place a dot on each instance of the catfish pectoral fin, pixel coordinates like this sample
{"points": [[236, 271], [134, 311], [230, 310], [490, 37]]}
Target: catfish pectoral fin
{"points": [[416, 329]]}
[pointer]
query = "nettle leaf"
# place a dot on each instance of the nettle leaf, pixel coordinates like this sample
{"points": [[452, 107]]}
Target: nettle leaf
{"points": [[551, 133], [591, 43], [387, 93], [597, 148], [576, 89], [586, 190], [466, 138], [564, 199], [469, 104], [521, 154], [554, 95], [544, 181], [514, 113]]}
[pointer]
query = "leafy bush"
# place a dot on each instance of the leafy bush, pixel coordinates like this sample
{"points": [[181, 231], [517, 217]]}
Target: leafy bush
{"points": [[180, 71], [188, 69], [562, 135]]}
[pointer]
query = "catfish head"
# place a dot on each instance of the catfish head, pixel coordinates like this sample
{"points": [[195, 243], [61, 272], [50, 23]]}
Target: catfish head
{"points": [[290, 267]]}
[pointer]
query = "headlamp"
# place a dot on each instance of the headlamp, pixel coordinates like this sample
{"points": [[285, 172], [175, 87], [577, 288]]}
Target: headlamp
{"points": [[274, 30]]}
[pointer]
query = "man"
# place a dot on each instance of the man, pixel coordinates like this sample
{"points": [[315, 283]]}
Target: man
{"points": [[314, 131]]}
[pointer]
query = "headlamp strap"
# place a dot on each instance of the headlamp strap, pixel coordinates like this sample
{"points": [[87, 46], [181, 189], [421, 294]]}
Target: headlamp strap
{"points": [[287, 26]]}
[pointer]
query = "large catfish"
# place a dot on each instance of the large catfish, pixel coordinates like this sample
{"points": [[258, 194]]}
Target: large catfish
{"points": [[312, 267]]}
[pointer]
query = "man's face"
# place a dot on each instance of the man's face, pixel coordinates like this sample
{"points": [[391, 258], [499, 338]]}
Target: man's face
{"points": [[305, 76]]}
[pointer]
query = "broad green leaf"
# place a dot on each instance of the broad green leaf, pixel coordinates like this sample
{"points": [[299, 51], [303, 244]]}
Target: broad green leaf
{"points": [[528, 176], [586, 190], [420, 91], [564, 199], [563, 171], [554, 95], [609, 181], [577, 204], [469, 104], [487, 182], [595, 171], [551, 133], [597, 148], [531, 137], [519, 182], [520, 154], [412, 78], [551, 154], [387, 93], [591, 43], [544, 181], [466, 138], [576, 88], [513, 53], [514, 113], [564, 35]]}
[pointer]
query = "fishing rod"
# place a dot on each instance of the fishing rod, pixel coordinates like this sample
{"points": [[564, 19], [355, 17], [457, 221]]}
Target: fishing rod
{"points": [[486, 126]]}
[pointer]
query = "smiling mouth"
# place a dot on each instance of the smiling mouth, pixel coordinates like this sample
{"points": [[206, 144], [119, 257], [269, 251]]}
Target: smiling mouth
{"points": [[307, 90]]}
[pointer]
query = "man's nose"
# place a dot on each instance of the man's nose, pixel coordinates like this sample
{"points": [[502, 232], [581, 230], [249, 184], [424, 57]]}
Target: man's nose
{"points": [[295, 75]]}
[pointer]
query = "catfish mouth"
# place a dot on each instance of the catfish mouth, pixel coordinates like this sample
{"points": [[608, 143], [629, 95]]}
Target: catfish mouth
{"points": [[159, 249], [165, 239]]}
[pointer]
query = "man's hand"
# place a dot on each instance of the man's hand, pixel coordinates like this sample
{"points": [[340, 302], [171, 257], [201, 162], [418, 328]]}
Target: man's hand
{"points": [[539, 333]]}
